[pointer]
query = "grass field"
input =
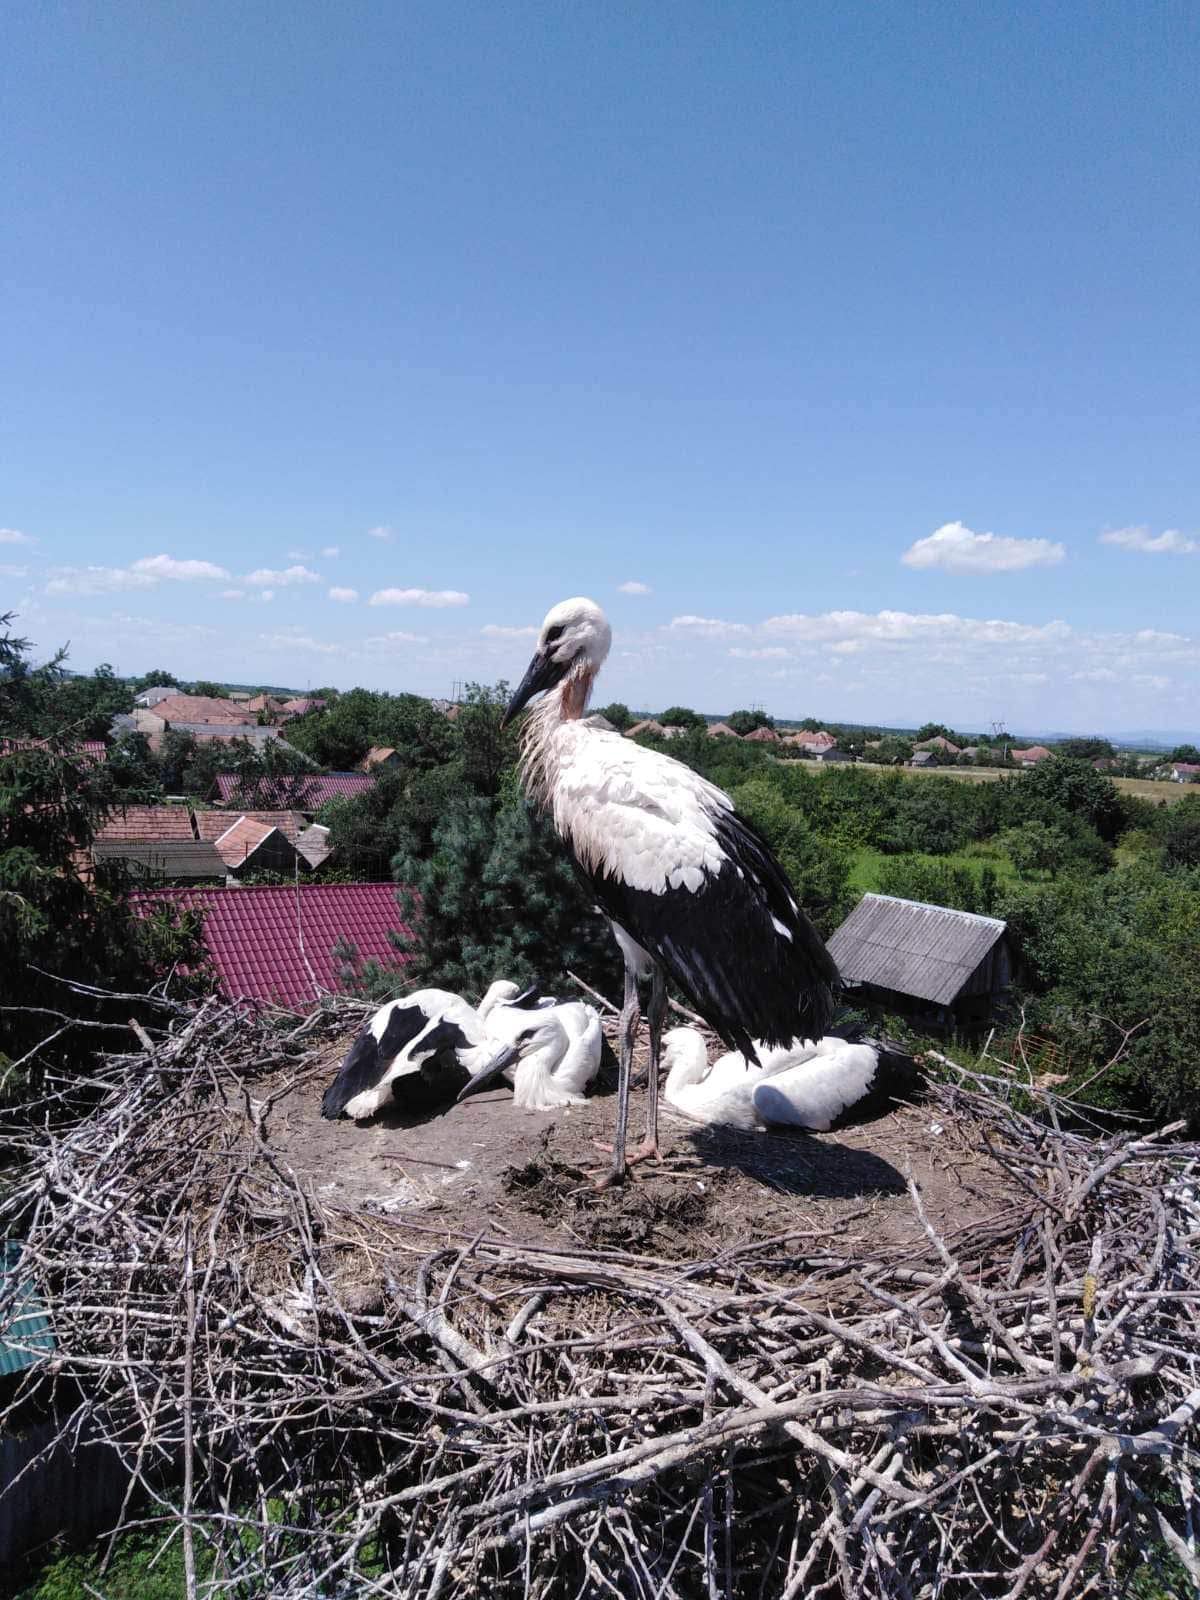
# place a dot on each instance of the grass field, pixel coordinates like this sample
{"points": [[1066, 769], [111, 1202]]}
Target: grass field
{"points": [[1147, 788], [866, 865]]}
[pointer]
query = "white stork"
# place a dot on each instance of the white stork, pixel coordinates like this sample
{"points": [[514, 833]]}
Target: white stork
{"points": [[692, 892], [814, 1084], [554, 1052], [419, 1050]]}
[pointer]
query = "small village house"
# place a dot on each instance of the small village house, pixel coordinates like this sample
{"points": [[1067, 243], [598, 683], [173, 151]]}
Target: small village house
{"points": [[947, 968]]}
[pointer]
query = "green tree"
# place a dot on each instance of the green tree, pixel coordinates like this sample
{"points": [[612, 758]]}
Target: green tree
{"points": [[158, 678], [1086, 749], [215, 691], [819, 872], [497, 897], [1036, 849], [619, 714], [745, 722], [912, 877], [60, 923], [1185, 752], [1181, 833], [682, 717], [86, 704]]}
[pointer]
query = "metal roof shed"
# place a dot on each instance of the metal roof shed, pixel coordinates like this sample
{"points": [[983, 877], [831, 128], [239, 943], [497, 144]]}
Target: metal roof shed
{"points": [[922, 952]]}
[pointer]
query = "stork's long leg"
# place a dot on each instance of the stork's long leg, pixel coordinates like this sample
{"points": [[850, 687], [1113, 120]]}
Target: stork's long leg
{"points": [[631, 1013], [656, 1013]]}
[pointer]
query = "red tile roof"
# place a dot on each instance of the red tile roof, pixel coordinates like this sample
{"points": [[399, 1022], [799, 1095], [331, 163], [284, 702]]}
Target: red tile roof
{"points": [[93, 749], [212, 824], [198, 708], [306, 793], [147, 824], [241, 839], [276, 944]]}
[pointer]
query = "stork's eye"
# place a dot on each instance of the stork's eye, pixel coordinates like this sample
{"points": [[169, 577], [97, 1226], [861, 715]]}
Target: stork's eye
{"points": [[553, 635]]}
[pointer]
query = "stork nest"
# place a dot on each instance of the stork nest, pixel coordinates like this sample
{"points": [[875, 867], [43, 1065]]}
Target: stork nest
{"points": [[315, 1400]]}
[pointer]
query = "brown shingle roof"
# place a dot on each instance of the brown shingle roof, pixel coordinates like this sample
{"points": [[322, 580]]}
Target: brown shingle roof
{"points": [[375, 755], [764, 736]]}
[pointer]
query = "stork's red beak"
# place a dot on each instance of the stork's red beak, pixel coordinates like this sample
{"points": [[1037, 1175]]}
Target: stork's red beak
{"points": [[490, 1073], [542, 673]]}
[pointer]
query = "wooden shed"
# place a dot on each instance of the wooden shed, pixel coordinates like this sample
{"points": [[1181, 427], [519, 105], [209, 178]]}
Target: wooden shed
{"points": [[947, 967]]}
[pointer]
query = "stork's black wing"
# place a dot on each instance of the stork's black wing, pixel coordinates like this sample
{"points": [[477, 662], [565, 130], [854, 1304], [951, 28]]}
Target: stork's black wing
{"points": [[739, 946]]}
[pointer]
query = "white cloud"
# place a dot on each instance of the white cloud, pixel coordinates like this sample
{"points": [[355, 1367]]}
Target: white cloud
{"points": [[299, 641], [494, 630], [331, 551], [633, 587], [891, 627], [954, 548], [233, 594], [7, 570], [381, 532], [1096, 675], [264, 577], [178, 571], [707, 627], [267, 594], [1151, 680], [346, 596], [1170, 542], [14, 536], [769, 652], [299, 555], [388, 641], [419, 597], [97, 580]]}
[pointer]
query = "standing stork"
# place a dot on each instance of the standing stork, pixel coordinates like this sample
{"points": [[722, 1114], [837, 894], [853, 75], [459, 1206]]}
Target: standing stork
{"points": [[691, 891]]}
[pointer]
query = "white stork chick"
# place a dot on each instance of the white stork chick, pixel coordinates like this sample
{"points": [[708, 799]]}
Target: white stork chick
{"points": [[691, 890], [553, 1053], [814, 1084], [418, 1050]]}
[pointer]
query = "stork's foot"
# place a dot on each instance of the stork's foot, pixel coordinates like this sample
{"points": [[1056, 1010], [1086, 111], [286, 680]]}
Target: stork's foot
{"points": [[647, 1151]]}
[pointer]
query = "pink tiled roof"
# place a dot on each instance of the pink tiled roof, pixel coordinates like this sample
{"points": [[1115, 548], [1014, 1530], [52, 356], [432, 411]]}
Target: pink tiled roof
{"points": [[146, 824], [212, 824], [1035, 752], [253, 935], [301, 705], [1189, 767], [813, 739], [308, 793], [764, 736]]}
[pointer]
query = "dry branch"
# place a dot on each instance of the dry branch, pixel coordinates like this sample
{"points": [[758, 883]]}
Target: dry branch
{"points": [[1007, 1410]]}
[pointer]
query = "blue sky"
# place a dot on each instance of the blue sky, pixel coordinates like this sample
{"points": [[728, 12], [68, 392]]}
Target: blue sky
{"points": [[743, 304]]}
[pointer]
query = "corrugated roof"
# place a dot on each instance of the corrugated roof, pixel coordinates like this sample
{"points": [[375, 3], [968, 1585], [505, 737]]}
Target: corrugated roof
{"points": [[916, 949], [25, 1332], [164, 858], [277, 943], [304, 793]]}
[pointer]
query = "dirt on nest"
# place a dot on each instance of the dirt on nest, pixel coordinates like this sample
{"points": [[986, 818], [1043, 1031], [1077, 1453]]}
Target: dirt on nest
{"points": [[484, 1167]]}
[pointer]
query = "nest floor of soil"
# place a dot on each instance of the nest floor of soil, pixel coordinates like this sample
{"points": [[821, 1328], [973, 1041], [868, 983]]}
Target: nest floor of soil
{"points": [[485, 1166]]}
